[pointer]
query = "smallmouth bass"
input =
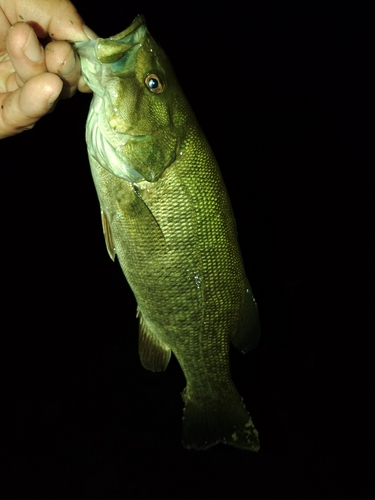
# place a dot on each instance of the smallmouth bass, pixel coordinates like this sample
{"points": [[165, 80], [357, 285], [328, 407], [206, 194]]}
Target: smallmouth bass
{"points": [[167, 216]]}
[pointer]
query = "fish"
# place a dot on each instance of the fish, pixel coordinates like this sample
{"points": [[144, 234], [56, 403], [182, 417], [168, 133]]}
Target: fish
{"points": [[167, 217]]}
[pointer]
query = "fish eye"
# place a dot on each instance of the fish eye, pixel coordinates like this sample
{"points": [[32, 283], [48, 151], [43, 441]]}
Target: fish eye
{"points": [[153, 83]]}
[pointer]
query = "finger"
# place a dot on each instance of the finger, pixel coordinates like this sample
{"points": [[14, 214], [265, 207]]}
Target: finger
{"points": [[4, 26], [25, 53], [63, 61], [83, 87], [21, 109], [59, 19]]}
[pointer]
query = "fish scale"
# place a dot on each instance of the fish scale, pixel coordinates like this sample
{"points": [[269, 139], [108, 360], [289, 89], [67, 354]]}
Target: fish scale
{"points": [[167, 216]]}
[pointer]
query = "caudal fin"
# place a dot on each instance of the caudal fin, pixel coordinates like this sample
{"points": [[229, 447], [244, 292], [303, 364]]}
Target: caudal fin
{"points": [[211, 422]]}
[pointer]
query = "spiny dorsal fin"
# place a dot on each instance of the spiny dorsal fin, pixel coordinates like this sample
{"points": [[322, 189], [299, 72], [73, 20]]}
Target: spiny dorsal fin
{"points": [[108, 236], [154, 354]]}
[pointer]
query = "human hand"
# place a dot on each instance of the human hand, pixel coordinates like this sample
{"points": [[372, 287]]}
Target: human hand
{"points": [[33, 77]]}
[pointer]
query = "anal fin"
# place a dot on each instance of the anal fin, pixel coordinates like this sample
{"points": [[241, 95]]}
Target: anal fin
{"points": [[154, 354], [108, 236]]}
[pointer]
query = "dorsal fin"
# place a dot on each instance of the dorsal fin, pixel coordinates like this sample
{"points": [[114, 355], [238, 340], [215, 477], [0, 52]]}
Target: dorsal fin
{"points": [[248, 333]]}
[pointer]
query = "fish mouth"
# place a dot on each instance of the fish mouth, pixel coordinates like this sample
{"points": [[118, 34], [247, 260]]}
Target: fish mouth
{"points": [[105, 57]]}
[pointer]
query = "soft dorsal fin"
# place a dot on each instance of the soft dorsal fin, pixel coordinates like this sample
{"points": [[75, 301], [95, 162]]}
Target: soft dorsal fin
{"points": [[154, 354], [108, 236], [248, 333]]}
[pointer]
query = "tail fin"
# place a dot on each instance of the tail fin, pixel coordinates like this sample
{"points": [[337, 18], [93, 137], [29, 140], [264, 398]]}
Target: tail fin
{"points": [[208, 423]]}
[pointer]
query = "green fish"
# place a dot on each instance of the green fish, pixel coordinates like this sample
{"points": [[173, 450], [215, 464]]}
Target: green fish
{"points": [[167, 216]]}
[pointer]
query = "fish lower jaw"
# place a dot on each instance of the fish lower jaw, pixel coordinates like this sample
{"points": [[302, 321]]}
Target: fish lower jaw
{"points": [[106, 145]]}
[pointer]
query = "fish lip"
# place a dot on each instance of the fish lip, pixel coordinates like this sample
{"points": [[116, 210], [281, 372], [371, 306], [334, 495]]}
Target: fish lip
{"points": [[127, 42], [140, 137], [129, 135], [137, 22]]}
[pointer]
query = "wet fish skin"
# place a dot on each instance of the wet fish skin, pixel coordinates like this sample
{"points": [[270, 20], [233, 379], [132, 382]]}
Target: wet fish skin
{"points": [[167, 216]]}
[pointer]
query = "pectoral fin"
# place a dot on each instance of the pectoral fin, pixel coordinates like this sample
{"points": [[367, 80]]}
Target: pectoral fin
{"points": [[108, 236], [154, 354]]}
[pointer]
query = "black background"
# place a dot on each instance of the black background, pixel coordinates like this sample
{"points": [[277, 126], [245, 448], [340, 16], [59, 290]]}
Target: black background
{"points": [[284, 91]]}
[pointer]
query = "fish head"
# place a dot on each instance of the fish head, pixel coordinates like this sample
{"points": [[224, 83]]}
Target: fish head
{"points": [[137, 117]]}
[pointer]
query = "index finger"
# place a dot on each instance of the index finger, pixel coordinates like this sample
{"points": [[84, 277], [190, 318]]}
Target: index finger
{"points": [[57, 18]]}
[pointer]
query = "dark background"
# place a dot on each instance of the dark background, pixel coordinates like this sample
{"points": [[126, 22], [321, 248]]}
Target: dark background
{"points": [[285, 93]]}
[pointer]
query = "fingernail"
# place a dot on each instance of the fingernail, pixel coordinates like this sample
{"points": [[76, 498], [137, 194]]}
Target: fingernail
{"points": [[33, 49], [89, 32], [53, 98]]}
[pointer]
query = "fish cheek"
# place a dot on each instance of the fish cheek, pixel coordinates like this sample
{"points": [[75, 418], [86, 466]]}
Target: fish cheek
{"points": [[121, 105]]}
